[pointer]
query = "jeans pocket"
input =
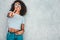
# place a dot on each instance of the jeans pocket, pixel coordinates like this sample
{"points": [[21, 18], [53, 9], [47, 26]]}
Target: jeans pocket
{"points": [[10, 35]]}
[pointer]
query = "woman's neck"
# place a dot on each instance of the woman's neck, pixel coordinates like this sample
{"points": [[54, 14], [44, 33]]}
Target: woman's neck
{"points": [[18, 12]]}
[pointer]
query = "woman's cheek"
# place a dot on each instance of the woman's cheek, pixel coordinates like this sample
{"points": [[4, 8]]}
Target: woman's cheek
{"points": [[19, 8], [15, 8]]}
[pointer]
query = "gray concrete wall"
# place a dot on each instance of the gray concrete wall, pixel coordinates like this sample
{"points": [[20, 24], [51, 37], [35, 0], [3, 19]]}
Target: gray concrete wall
{"points": [[42, 21]]}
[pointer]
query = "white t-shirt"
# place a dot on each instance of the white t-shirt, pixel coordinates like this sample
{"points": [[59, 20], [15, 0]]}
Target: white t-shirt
{"points": [[16, 21]]}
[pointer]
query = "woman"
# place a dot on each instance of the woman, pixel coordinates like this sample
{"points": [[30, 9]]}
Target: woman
{"points": [[16, 21]]}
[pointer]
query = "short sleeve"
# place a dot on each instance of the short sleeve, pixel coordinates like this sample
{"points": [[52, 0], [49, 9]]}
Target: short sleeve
{"points": [[23, 21]]}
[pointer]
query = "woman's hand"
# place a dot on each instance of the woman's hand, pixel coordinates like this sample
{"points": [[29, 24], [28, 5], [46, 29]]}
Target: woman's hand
{"points": [[19, 32], [10, 14]]}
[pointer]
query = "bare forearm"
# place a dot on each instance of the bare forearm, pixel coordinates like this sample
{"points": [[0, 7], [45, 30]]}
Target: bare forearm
{"points": [[20, 32]]}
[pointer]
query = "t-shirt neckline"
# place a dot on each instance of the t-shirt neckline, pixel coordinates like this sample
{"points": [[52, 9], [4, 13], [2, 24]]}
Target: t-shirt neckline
{"points": [[18, 14]]}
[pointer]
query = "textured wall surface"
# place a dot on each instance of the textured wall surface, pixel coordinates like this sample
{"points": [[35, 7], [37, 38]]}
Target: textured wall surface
{"points": [[42, 19]]}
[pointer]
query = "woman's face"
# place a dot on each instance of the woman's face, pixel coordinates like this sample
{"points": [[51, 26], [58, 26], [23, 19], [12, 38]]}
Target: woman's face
{"points": [[17, 6]]}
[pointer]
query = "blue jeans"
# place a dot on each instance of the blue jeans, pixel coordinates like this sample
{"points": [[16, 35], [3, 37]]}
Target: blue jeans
{"points": [[13, 36]]}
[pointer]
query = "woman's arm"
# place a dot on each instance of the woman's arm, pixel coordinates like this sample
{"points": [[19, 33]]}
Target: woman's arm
{"points": [[22, 30], [22, 27]]}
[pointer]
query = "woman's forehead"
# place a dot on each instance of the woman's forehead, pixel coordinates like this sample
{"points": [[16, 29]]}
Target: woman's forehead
{"points": [[17, 3]]}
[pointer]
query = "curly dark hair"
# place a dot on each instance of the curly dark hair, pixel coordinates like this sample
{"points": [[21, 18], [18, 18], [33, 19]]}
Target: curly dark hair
{"points": [[23, 7]]}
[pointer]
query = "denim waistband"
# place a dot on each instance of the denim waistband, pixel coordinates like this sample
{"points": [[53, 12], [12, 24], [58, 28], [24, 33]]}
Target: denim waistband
{"points": [[11, 32]]}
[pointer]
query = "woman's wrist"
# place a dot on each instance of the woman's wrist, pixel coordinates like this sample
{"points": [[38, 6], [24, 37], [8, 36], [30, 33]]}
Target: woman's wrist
{"points": [[19, 32]]}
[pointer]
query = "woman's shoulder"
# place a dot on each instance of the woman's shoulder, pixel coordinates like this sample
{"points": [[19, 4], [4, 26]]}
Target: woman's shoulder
{"points": [[22, 16]]}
